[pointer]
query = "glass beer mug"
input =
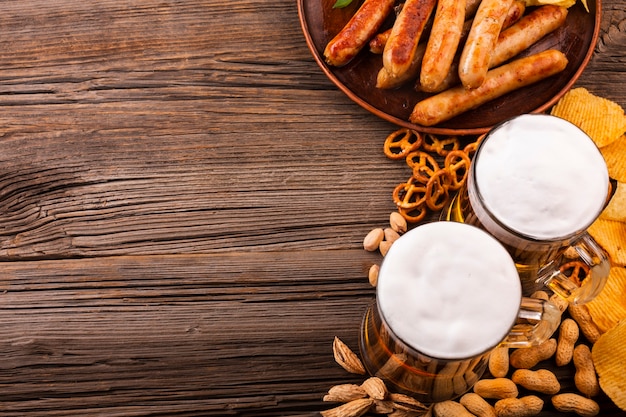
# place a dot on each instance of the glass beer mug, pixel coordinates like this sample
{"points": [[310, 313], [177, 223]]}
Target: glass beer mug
{"points": [[536, 183], [448, 294]]}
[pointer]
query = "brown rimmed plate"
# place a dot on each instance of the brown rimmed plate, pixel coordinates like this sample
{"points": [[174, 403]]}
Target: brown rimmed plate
{"points": [[577, 39]]}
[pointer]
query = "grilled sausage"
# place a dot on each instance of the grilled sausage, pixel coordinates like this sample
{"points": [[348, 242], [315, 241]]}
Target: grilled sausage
{"points": [[400, 48], [442, 44], [512, 41], [499, 81], [385, 80], [530, 29], [377, 43], [517, 38], [357, 32], [474, 61], [515, 13]]}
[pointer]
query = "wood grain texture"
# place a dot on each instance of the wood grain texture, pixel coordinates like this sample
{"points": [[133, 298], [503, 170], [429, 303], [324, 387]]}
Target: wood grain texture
{"points": [[183, 197]]}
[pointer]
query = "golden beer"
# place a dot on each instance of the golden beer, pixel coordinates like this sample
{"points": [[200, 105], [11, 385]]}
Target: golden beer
{"points": [[447, 295], [536, 184]]}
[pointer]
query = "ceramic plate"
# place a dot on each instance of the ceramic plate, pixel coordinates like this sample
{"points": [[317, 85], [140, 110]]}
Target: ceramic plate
{"points": [[577, 39]]}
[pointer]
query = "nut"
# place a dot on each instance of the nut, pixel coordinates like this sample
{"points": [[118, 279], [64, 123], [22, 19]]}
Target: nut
{"points": [[372, 239], [477, 405], [384, 247], [406, 403], [375, 388], [560, 302], [496, 388], [527, 406], [584, 407], [540, 295], [541, 380], [391, 235], [568, 335], [585, 378], [346, 358], [344, 393], [451, 409], [397, 222], [372, 275], [499, 362], [589, 329], [531, 356], [355, 408]]}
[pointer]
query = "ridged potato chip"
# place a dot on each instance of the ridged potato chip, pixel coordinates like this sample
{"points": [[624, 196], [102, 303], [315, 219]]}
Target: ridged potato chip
{"points": [[614, 157], [616, 209], [602, 119], [609, 357], [609, 307], [611, 235]]}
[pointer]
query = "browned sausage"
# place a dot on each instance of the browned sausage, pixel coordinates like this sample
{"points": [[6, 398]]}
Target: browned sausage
{"points": [[442, 44], [474, 61], [530, 29], [470, 7], [452, 78], [515, 39], [499, 81], [377, 43], [357, 32], [385, 80], [405, 35], [514, 14]]}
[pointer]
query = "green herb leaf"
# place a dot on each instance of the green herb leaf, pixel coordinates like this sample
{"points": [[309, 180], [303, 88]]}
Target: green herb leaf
{"points": [[341, 3]]}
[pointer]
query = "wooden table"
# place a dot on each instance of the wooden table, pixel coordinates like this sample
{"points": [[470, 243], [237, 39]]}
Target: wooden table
{"points": [[183, 199]]}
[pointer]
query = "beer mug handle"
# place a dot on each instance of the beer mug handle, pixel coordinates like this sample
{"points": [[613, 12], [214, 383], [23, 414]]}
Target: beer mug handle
{"points": [[583, 255], [537, 322]]}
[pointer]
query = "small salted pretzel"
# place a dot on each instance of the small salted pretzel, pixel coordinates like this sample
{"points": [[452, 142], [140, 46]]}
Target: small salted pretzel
{"points": [[415, 214], [409, 195], [401, 142], [457, 163], [470, 148], [437, 190], [441, 146], [422, 164], [576, 271]]}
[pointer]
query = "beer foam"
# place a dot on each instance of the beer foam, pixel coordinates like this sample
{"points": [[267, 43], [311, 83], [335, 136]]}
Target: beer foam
{"points": [[448, 290], [541, 176]]}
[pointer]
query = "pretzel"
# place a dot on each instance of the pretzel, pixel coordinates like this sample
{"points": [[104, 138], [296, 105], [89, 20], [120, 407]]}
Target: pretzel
{"points": [[399, 143], [441, 146], [409, 195], [576, 271], [422, 164], [437, 190], [429, 186], [457, 164], [414, 215], [470, 148]]}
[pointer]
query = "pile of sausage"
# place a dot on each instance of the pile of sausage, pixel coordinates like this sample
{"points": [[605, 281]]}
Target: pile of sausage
{"points": [[462, 54]]}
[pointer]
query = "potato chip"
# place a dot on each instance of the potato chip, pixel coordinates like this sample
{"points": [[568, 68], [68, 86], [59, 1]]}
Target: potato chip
{"points": [[614, 157], [616, 209], [611, 235], [609, 357], [609, 307], [603, 120]]}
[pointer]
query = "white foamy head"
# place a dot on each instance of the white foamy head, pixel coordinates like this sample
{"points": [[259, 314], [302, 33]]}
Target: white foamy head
{"points": [[448, 290], [541, 176]]}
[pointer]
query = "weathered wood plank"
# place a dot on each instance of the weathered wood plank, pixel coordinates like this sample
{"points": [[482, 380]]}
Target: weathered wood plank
{"points": [[246, 332]]}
